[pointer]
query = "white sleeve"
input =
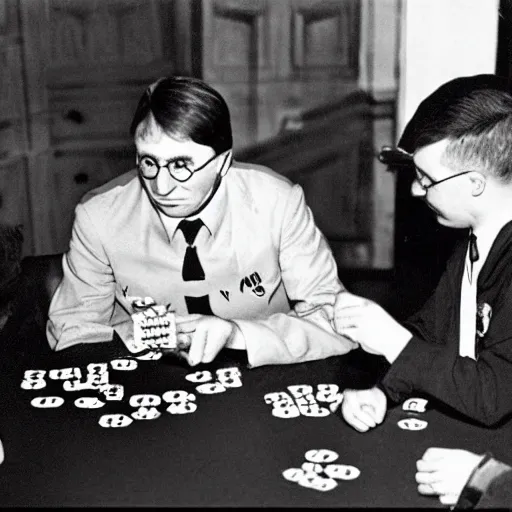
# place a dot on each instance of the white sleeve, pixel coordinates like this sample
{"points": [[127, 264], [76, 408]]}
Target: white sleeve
{"points": [[310, 278], [81, 308]]}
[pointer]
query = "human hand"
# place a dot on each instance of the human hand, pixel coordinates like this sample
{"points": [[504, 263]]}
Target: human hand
{"points": [[444, 472], [203, 335], [363, 408], [368, 324]]}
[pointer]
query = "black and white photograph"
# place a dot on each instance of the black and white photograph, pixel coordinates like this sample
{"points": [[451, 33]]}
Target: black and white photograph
{"points": [[256, 254]]}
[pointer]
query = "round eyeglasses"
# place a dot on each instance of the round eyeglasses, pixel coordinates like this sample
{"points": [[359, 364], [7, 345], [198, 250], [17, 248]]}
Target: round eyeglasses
{"points": [[177, 167]]}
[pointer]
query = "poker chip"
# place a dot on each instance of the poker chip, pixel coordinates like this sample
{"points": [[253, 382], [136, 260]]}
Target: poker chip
{"points": [[318, 473]]}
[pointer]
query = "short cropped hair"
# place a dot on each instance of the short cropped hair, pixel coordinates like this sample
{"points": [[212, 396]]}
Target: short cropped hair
{"points": [[480, 135], [475, 114], [186, 107]]}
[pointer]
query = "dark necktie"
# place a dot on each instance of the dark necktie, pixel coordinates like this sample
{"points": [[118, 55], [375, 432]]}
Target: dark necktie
{"points": [[192, 269], [473, 253]]}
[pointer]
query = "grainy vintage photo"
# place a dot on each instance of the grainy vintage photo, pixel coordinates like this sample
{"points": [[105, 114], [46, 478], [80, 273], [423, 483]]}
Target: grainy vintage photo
{"points": [[255, 253]]}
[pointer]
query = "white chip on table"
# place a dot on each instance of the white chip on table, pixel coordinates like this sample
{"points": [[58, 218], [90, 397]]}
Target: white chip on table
{"points": [[415, 405], [199, 376], [412, 424], [47, 402], [342, 471], [115, 420], [88, 402], [321, 455], [293, 474], [124, 364], [210, 388], [319, 483], [146, 413], [145, 400]]}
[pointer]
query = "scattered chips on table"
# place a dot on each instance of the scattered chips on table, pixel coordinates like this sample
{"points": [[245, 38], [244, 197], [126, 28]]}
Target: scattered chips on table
{"points": [[318, 473]]}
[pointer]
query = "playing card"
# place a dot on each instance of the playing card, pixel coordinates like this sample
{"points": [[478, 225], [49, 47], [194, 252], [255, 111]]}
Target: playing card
{"points": [[33, 379], [278, 396], [321, 455], [228, 372], [146, 413], [95, 379], [47, 402], [412, 424], [415, 405], [314, 481], [88, 402], [341, 471], [112, 392], [210, 388], [300, 390], [305, 400], [114, 420], [182, 407], [178, 395], [145, 400], [293, 474], [124, 364], [200, 376], [34, 374], [327, 392], [334, 405], [97, 368], [229, 377], [155, 327], [150, 356], [312, 467], [135, 346], [33, 384], [287, 411], [314, 411], [65, 373]]}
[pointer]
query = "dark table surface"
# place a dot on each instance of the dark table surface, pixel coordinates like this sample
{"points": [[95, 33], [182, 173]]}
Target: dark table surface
{"points": [[230, 452]]}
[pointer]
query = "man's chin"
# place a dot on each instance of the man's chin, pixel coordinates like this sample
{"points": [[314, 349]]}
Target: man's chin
{"points": [[179, 210]]}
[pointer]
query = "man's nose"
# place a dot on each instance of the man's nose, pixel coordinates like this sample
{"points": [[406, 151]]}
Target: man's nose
{"points": [[164, 183], [417, 190]]}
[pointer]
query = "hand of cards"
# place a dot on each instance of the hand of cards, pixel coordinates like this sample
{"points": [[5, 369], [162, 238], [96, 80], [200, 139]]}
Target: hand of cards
{"points": [[154, 327]]}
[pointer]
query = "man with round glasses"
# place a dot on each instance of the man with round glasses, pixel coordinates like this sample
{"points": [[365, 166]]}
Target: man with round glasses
{"points": [[457, 349], [231, 247]]}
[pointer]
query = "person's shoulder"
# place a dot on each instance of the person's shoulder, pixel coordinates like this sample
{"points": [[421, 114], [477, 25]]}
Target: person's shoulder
{"points": [[112, 192], [260, 177]]}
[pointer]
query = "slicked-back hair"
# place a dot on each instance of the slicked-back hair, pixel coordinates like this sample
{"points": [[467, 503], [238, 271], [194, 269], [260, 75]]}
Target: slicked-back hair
{"points": [[186, 108]]}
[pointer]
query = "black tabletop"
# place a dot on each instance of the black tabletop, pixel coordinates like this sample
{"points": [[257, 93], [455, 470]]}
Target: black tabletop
{"points": [[230, 452]]}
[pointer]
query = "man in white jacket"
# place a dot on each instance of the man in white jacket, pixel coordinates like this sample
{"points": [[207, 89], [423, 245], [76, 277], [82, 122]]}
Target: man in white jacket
{"points": [[232, 247]]}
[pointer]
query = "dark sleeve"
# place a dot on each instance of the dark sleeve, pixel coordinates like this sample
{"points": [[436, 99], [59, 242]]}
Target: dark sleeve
{"points": [[499, 492], [431, 364], [488, 486]]}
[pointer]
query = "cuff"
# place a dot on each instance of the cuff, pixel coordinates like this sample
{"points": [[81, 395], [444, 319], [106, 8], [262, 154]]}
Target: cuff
{"points": [[477, 483]]}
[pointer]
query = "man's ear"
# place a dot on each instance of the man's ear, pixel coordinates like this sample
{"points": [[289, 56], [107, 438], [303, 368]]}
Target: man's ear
{"points": [[478, 183], [226, 163]]}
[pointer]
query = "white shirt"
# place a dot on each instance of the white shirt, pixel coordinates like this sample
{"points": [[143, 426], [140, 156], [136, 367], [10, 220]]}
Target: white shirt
{"points": [[257, 223], [468, 294]]}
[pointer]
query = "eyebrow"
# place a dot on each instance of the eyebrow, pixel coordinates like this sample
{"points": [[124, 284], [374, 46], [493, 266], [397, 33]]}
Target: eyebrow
{"points": [[170, 160]]}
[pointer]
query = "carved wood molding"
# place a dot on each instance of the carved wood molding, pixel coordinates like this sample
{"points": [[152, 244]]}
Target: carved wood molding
{"points": [[310, 25]]}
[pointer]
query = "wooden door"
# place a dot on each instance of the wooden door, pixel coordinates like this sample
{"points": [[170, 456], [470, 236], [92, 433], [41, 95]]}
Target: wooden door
{"points": [[14, 202], [273, 58], [87, 62]]}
